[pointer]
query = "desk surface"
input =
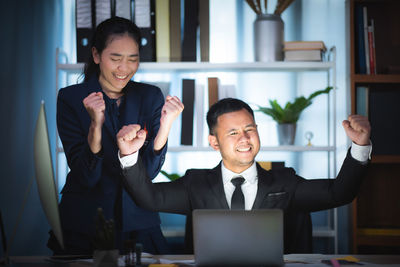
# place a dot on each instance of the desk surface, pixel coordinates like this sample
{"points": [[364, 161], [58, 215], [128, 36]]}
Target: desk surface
{"points": [[309, 260]]}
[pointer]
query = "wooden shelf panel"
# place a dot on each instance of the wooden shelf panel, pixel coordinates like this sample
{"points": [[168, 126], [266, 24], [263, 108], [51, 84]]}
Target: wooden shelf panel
{"points": [[385, 159], [378, 232], [376, 240], [377, 78]]}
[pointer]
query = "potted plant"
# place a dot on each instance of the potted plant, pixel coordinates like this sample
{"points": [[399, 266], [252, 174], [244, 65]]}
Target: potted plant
{"points": [[287, 116], [105, 254]]}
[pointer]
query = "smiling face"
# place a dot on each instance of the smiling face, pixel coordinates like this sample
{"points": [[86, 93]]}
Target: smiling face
{"points": [[236, 137], [118, 63]]}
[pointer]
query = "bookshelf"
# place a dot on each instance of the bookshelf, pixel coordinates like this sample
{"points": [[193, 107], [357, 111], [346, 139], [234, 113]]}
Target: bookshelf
{"points": [[329, 149], [376, 210]]}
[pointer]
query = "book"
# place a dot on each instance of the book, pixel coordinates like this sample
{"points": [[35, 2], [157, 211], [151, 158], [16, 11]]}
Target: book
{"points": [[362, 100], [366, 46], [361, 67], [303, 55], [204, 25], [213, 84], [304, 45], [175, 30], [188, 87], [162, 31], [145, 19], [371, 45], [190, 24]]}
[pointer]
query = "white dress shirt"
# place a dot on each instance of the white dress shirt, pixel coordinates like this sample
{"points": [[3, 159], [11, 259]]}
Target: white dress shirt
{"points": [[249, 186]]}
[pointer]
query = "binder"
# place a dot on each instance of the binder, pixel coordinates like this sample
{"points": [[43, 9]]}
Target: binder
{"points": [[144, 17], [103, 10], [190, 30], [123, 9], [175, 46], [204, 25], [84, 28], [162, 31], [188, 87]]}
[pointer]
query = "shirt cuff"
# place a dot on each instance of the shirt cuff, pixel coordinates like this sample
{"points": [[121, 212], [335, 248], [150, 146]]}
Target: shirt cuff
{"points": [[361, 153], [128, 161]]}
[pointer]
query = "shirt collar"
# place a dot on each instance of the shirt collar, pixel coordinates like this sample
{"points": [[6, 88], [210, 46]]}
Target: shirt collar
{"points": [[250, 174]]}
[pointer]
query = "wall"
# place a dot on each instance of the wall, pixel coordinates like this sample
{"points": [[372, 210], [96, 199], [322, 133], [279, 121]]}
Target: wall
{"points": [[27, 75]]}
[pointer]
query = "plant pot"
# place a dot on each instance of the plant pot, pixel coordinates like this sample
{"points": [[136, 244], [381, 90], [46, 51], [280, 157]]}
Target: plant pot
{"points": [[268, 38], [286, 133], [105, 258]]}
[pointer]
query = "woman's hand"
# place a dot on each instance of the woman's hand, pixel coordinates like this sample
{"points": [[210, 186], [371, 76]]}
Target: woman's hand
{"points": [[95, 106], [170, 111]]}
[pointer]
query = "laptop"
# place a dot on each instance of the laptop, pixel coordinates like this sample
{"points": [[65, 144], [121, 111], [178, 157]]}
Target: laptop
{"points": [[238, 237]]}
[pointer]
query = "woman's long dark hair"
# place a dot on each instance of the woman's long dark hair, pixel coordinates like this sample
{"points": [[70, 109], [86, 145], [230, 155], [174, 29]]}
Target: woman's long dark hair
{"points": [[101, 37]]}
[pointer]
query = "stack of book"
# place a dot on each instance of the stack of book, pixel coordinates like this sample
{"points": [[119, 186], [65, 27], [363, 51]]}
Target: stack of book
{"points": [[304, 50], [365, 42]]}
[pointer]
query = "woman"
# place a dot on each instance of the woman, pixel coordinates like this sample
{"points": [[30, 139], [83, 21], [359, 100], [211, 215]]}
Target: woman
{"points": [[89, 115]]}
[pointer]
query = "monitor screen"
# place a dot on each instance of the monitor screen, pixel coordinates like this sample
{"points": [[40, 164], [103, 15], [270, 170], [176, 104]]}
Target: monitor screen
{"points": [[45, 175]]}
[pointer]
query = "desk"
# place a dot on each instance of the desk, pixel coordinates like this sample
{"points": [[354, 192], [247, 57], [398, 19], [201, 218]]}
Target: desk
{"points": [[314, 260]]}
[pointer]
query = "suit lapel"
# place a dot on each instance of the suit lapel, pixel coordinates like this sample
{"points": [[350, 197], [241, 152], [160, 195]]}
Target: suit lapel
{"points": [[217, 187], [264, 182]]}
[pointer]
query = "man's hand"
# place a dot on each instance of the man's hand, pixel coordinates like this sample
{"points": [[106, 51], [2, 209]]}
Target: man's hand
{"points": [[95, 106], [358, 129], [170, 111], [130, 139]]}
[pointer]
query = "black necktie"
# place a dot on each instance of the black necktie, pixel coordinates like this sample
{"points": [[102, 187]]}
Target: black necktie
{"points": [[237, 196]]}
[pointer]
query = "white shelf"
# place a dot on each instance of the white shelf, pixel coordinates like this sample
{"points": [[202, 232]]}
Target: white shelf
{"points": [[224, 67], [323, 232], [328, 67]]}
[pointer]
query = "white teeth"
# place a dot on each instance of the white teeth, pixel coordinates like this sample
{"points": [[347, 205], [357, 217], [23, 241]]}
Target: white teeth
{"points": [[243, 149], [121, 77]]}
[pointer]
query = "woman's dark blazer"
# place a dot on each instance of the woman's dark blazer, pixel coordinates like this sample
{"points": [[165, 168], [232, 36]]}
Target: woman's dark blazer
{"points": [[96, 180]]}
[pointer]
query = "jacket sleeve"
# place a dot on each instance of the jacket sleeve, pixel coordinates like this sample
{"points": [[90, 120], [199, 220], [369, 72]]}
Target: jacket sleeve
{"points": [[154, 161], [170, 197], [319, 194], [85, 167]]}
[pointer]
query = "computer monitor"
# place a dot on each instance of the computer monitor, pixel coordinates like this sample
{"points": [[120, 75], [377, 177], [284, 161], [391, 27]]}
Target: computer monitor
{"points": [[45, 175]]}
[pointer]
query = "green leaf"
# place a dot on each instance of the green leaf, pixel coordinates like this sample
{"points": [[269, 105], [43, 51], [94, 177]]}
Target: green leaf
{"points": [[172, 176]]}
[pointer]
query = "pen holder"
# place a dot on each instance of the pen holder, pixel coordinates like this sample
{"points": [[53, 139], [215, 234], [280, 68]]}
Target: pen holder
{"points": [[268, 38]]}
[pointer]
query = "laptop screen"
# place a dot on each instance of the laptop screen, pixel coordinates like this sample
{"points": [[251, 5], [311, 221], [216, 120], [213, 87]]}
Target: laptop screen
{"points": [[238, 237]]}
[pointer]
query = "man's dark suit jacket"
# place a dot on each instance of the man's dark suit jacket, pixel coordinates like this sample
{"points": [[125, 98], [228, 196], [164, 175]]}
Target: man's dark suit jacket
{"points": [[277, 189], [96, 180]]}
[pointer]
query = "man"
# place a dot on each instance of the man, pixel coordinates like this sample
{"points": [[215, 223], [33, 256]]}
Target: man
{"points": [[233, 132]]}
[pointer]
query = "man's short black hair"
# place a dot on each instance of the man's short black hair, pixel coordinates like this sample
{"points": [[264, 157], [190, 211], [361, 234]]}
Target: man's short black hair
{"points": [[223, 106]]}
